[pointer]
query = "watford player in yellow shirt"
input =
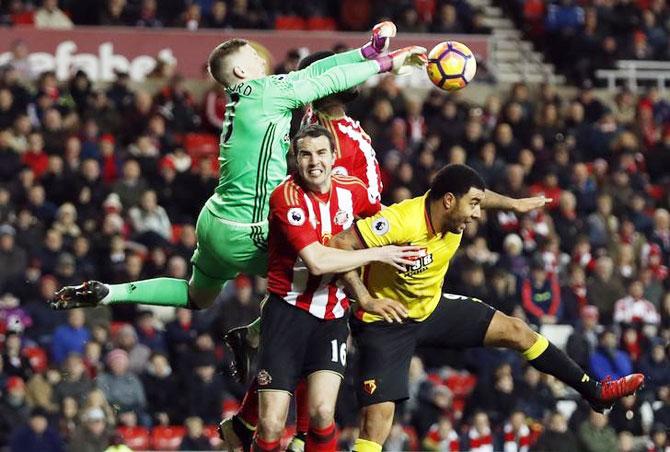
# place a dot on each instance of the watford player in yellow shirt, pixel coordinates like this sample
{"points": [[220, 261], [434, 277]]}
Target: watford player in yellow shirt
{"points": [[416, 311]]}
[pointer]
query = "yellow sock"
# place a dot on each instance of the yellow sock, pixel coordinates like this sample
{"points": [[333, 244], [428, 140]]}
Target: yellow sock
{"points": [[535, 350], [364, 445]]}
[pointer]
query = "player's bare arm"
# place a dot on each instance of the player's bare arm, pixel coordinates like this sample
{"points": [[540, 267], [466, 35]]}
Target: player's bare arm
{"points": [[493, 200], [389, 310], [321, 259]]}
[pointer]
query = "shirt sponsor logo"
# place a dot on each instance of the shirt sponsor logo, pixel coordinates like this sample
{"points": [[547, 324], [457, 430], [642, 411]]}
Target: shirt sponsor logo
{"points": [[340, 171], [341, 217], [296, 216], [381, 226]]}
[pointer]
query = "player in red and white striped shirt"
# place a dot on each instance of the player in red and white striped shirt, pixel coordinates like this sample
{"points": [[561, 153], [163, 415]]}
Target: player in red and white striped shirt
{"points": [[353, 147], [304, 320]]}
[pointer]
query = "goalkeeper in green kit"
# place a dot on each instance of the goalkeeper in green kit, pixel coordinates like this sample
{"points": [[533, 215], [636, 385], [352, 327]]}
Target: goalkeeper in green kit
{"points": [[232, 227]]}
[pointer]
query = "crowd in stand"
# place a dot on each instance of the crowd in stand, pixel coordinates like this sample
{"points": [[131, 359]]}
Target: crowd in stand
{"points": [[583, 35], [437, 16], [106, 184]]}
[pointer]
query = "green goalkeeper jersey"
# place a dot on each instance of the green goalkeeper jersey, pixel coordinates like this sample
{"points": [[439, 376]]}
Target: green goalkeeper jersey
{"points": [[255, 136]]}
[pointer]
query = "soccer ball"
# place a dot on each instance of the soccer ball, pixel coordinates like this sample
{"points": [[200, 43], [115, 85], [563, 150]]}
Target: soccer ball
{"points": [[451, 65]]}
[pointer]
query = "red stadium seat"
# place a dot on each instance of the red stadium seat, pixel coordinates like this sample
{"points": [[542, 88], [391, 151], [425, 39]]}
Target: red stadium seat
{"points": [[212, 432], [290, 23], [199, 145], [176, 232], [167, 437], [321, 23], [229, 407], [25, 18], [137, 438]]}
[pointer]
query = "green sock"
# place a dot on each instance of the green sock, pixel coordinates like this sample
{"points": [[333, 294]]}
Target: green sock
{"points": [[255, 327], [157, 291]]}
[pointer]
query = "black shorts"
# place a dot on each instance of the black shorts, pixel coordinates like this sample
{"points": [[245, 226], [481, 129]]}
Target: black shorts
{"points": [[386, 349], [295, 344]]}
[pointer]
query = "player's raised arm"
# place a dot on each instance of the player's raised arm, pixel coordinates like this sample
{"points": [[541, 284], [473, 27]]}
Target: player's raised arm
{"points": [[493, 200], [294, 93]]}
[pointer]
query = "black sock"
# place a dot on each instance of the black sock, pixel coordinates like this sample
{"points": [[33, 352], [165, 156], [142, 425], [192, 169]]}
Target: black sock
{"points": [[245, 435], [554, 362]]}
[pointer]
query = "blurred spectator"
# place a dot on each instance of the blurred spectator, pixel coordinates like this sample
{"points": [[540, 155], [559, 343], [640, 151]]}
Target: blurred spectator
{"points": [[584, 339], [194, 439], [634, 309], [93, 435], [36, 435], [516, 434], [160, 385], [238, 310], [556, 436], [51, 16], [442, 437], [14, 410], [13, 259], [541, 295], [595, 435], [480, 436], [608, 360], [137, 353], [74, 383], [603, 289], [205, 389], [70, 338], [656, 366], [120, 385], [626, 416], [131, 185]]}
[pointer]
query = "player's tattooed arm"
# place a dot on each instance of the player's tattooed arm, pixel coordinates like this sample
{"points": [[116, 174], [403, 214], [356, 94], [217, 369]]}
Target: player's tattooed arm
{"points": [[493, 200]]}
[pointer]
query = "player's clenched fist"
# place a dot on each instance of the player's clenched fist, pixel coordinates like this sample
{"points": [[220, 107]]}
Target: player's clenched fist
{"points": [[397, 256], [380, 40]]}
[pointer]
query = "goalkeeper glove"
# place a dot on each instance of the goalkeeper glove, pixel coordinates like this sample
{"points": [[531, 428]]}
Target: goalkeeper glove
{"points": [[401, 61], [380, 40]]}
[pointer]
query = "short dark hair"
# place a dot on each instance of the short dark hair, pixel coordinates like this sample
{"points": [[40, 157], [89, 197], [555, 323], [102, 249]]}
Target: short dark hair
{"points": [[312, 131], [216, 60], [313, 57], [345, 96], [456, 179]]}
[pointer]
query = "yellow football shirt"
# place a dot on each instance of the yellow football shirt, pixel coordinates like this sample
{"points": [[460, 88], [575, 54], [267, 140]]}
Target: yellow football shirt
{"points": [[419, 287]]}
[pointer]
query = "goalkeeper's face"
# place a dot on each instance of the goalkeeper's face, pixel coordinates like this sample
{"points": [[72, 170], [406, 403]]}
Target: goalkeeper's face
{"points": [[315, 158], [248, 64]]}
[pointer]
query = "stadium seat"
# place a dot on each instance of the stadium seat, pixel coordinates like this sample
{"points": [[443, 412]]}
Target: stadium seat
{"points": [[25, 18], [137, 438], [212, 432], [199, 145], [176, 232], [321, 23], [290, 23], [557, 334], [167, 437], [229, 407]]}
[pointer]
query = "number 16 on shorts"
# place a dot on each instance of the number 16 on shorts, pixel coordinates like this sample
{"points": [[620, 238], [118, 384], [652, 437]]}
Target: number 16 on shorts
{"points": [[338, 352]]}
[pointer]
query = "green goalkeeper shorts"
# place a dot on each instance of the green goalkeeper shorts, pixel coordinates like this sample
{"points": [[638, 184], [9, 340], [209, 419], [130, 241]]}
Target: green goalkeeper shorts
{"points": [[226, 249]]}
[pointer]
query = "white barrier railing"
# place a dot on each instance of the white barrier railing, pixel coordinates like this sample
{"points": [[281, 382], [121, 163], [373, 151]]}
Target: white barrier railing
{"points": [[634, 71]]}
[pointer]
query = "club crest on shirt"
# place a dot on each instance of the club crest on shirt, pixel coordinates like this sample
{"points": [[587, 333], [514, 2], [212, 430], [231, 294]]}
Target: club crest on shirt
{"points": [[370, 386], [340, 171], [264, 378], [296, 216], [342, 217], [381, 226]]}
